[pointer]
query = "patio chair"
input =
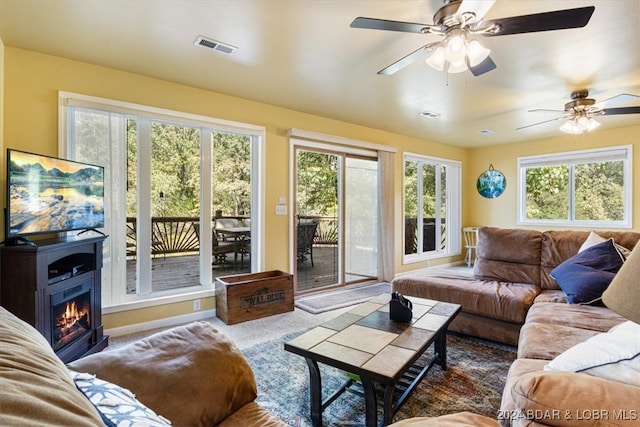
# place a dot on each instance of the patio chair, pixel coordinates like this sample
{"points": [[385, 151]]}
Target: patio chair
{"points": [[306, 234], [470, 235], [220, 248]]}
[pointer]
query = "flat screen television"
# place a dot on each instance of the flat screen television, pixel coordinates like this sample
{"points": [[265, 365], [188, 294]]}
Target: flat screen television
{"points": [[51, 195]]}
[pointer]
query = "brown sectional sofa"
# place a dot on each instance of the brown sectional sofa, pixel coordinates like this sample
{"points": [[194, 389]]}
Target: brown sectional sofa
{"points": [[190, 375], [512, 298]]}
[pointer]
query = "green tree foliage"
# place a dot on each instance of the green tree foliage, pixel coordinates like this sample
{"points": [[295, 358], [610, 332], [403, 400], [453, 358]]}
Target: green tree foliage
{"points": [[232, 174], [175, 171], [548, 192], [599, 191], [317, 192]]}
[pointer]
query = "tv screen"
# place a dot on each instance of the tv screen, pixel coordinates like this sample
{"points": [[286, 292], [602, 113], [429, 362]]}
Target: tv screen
{"points": [[51, 195]]}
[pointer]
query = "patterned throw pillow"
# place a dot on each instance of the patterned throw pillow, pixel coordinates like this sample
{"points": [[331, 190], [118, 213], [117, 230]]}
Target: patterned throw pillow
{"points": [[118, 406]]}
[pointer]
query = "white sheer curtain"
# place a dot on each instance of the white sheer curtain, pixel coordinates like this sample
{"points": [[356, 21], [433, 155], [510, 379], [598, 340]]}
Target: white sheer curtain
{"points": [[99, 137], [386, 232]]}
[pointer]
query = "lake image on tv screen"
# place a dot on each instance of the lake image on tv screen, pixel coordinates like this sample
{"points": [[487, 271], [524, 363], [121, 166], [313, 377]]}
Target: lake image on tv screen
{"points": [[49, 195]]}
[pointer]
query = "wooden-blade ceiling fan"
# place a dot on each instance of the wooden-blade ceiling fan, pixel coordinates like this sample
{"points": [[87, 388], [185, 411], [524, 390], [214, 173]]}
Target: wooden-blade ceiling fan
{"points": [[458, 21]]}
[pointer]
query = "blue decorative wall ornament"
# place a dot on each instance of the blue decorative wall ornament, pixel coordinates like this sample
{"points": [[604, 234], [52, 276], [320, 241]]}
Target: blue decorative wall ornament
{"points": [[491, 183]]}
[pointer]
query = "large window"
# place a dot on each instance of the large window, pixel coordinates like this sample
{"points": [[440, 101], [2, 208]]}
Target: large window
{"points": [[175, 185], [590, 188], [431, 208]]}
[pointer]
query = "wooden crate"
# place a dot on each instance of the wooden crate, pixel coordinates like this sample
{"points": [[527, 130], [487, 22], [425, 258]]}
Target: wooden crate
{"points": [[243, 297]]}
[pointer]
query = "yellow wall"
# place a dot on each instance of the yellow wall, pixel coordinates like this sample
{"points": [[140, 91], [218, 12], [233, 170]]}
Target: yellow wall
{"points": [[32, 82], [29, 95], [502, 211]]}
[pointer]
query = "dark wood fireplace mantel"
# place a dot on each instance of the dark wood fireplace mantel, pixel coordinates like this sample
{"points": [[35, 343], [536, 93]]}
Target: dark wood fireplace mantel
{"points": [[37, 283]]}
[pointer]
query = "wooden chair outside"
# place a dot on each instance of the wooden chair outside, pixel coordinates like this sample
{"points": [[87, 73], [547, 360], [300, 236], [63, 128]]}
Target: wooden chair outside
{"points": [[220, 248], [306, 234], [470, 235]]}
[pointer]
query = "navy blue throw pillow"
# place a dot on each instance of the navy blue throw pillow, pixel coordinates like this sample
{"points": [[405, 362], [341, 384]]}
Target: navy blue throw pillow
{"points": [[585, 276]]}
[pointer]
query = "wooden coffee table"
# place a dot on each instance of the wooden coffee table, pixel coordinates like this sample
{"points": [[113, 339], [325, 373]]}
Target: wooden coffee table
{"points": [[365, 342]]}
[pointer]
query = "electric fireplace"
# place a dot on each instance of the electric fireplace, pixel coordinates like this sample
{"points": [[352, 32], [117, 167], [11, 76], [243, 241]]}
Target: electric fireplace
{"points": [[56, 287], [71, 315]]}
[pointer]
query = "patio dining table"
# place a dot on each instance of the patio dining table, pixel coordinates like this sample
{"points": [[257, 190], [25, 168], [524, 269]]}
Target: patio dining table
{"points": [[239, 235]]}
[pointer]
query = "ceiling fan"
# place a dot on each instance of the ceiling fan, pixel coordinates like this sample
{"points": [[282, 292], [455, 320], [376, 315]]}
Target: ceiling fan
{"points": [[458, 20], [580, 111]]}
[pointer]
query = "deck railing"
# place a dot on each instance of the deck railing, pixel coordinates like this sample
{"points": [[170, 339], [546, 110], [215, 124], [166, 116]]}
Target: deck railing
{"points": [[327, 231], [169, 235]]}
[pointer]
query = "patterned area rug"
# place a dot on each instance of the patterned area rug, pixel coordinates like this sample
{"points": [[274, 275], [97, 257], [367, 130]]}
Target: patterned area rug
{"points": [[474, 381], [344, 297]]}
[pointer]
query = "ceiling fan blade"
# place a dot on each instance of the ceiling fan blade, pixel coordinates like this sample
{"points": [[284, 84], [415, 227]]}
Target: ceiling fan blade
{"points": [[544, 110], [409, 59], [478, 7], [540, 123], [621, 110], [618, 99], [483, 67], [386, 25], [546, 21]]}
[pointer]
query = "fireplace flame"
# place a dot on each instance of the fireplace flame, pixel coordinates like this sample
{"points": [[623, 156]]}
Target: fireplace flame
{"points": [[70, 316]]}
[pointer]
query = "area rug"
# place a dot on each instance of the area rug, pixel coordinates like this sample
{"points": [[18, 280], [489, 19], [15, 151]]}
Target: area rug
{"points": [[474, 381], [343, 297]]}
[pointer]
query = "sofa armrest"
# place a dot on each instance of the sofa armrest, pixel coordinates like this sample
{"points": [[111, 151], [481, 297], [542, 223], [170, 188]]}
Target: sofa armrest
{"points": [[567, 399], [192, 374], [35, 387]]}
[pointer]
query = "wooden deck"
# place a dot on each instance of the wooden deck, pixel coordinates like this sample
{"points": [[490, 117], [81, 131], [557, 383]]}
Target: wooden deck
{"points": [[181, 270]]}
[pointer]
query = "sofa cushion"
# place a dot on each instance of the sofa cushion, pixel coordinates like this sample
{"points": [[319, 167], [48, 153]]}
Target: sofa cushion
{"points": [[586, 275], [118, 406], [192, 374], [546, 341], [518, 368], [570, 399], [36, 388], [508, 255], [614, 355], [589, 317], [450, 420], [497, 300], [252, 414]]}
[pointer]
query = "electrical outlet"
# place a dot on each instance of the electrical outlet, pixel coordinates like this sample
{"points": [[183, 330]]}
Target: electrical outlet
{"points": [[197, 305]]}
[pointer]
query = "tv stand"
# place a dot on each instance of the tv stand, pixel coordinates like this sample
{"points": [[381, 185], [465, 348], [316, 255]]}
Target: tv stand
{"points": [[17, 241], [39, 283]]}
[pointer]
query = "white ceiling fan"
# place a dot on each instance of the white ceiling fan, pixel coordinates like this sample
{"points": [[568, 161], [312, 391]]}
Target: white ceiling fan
{"points": [[458, 21]]}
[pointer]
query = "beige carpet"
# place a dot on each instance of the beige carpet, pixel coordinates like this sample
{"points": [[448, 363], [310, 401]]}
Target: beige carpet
{"points": [[248, 334]]}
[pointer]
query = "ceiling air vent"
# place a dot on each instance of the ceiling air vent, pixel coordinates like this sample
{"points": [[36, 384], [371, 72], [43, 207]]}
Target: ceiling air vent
{"points": [[215, 45]]}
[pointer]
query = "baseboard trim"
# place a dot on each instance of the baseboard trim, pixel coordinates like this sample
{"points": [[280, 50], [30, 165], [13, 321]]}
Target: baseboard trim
{"points": [[160, 323]]}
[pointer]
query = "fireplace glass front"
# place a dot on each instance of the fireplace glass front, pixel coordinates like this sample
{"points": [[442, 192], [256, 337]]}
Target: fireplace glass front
{"points": [[71, 315]]}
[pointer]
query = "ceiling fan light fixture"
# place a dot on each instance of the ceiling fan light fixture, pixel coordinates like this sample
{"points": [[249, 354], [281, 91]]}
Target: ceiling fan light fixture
{"points": [[436, 60], [476, 52], [578, 125], [457, 67], [455, 47], [592, 124]]}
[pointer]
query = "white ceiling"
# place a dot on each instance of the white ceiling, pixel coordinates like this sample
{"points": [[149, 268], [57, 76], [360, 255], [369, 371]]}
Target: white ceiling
{"points": [[302, 55]]}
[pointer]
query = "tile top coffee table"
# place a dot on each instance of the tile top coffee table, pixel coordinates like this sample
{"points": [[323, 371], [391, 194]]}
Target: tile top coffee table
{"points": [[365, 342]]}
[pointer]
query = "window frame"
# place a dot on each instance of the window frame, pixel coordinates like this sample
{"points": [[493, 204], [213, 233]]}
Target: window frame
{"points": [[622, 153], [453, 216], [115, 297]]}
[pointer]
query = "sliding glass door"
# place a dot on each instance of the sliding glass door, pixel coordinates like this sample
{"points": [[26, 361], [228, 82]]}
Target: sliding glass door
{"points": [[335, 218]]}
